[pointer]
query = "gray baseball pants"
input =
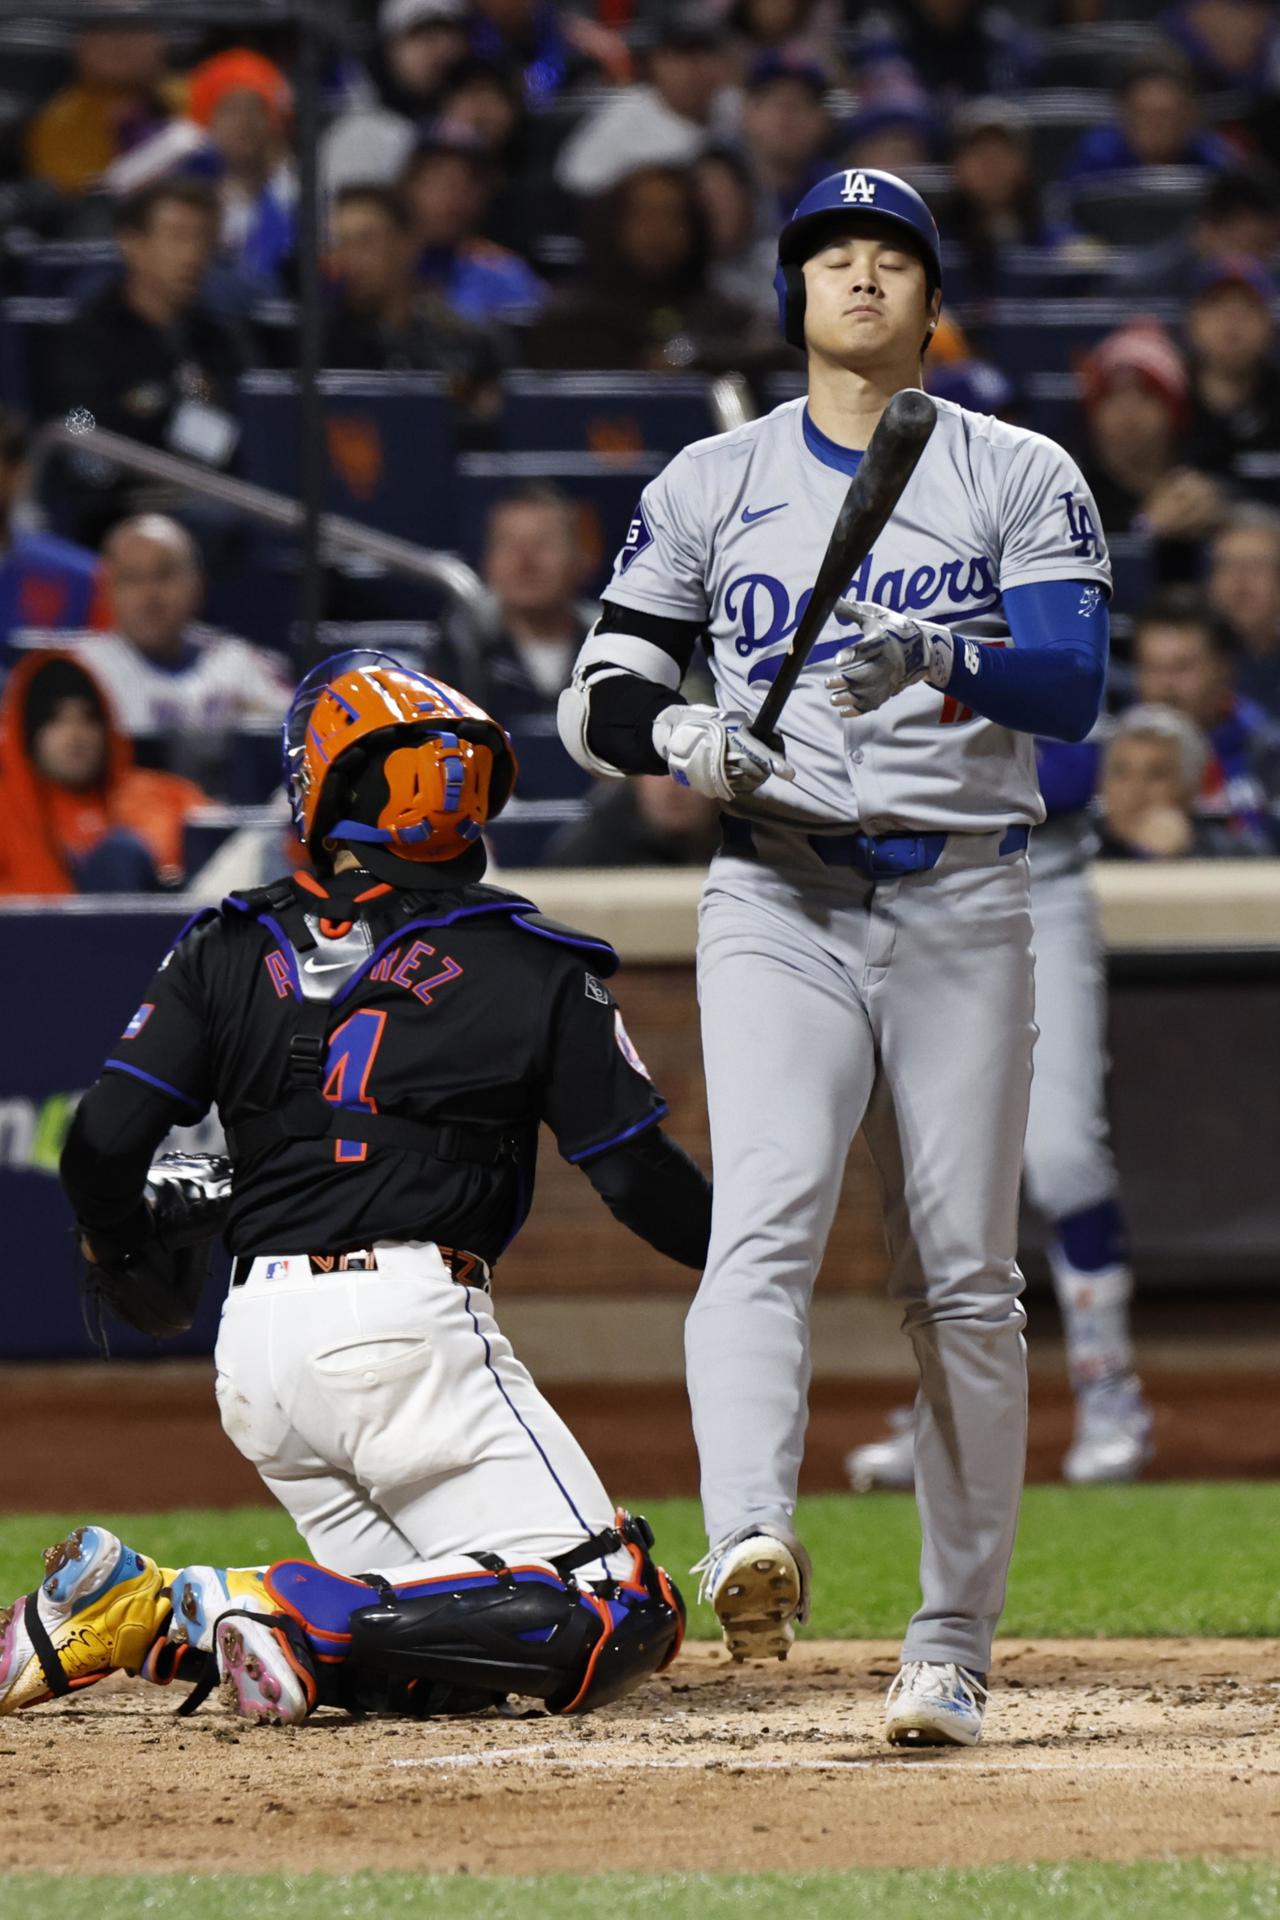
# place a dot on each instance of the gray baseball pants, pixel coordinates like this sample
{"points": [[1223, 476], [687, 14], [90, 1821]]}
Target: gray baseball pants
{"points": [[905, 1007]]}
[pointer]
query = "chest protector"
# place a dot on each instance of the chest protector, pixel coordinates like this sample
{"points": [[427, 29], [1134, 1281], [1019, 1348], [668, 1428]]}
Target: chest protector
{"points": [[296, 915]]}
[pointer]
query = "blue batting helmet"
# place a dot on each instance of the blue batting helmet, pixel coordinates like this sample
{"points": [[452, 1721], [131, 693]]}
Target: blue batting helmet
{"points": [[862, 191]]}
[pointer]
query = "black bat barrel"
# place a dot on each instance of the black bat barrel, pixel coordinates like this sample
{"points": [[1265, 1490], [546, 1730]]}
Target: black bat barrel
{"points": [[874, 492]]}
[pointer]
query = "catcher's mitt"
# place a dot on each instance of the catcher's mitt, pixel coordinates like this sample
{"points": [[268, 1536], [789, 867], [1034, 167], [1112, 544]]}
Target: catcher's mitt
{"points": [[150, 1271]]}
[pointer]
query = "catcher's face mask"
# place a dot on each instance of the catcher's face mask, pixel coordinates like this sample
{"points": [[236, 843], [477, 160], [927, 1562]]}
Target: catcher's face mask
{"points": [[378, 754]]}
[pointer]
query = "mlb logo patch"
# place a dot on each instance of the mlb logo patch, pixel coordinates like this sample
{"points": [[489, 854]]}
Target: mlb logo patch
{"points": [[139, 1020]]}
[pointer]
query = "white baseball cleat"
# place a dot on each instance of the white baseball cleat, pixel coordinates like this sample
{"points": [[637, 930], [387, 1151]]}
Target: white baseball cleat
{"points": [[888, 1464], [1113, 1435], [265, 1668], [757, 1587], [935, 1705]]}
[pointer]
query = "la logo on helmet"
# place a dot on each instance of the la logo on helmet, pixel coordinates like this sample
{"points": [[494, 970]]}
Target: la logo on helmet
{"points": [[858, 188]]}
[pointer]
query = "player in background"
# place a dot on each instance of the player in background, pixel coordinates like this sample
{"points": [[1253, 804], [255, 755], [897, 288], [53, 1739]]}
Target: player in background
{"points": [[1068, 1167], [382, 1038], [864, 950]]}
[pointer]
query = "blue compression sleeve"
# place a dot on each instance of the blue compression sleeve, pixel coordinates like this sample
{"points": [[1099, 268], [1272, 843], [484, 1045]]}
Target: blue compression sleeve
{"points": [[1068, 771], [1051, 679]]}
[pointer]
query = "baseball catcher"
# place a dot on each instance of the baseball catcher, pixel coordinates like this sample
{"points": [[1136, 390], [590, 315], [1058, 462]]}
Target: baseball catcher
{"points": [[382, 1038]]}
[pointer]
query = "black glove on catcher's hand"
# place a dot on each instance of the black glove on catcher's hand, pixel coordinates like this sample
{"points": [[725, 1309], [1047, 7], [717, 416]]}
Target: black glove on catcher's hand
{"points": [[149, 1271]]}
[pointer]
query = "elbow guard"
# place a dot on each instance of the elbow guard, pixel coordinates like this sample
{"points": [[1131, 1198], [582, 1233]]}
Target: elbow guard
{"points": [[605, 715]]}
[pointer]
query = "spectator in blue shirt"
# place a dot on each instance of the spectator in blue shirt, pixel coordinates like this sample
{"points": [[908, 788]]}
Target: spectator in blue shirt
{"points": [[447, 186], [1231, 44], [1157, 124]]}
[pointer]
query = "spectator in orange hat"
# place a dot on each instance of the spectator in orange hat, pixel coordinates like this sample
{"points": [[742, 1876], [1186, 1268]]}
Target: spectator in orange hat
{"points": [[1137, 409], [118, 98], [243, 103], [76, 815]]}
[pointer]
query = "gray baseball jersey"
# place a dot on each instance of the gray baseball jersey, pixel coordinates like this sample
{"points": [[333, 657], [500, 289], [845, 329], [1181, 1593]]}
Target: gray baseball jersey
{"points": [[732, 533]]}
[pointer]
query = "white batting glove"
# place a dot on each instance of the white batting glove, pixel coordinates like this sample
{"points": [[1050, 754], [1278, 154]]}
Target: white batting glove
{"points": [[714, 753], [894, 652]]}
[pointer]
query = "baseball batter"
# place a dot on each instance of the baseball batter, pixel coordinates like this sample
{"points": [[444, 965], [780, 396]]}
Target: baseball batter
{"points": [[865, 945]]}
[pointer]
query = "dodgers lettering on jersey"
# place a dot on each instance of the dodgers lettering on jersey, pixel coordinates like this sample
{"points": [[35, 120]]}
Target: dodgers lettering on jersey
{"points": [[732, 533]]}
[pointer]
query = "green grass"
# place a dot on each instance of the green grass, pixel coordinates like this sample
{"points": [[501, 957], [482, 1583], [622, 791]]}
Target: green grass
{"points": [[1166, 1559], [1189, 1890]]}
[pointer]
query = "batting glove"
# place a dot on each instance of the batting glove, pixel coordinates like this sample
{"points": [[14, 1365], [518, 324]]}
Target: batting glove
{"points": [[714, 753], [894, 652]]}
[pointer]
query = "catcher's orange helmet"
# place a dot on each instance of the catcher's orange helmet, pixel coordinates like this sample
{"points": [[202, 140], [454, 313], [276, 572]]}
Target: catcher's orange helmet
{"points": [[382, 755]]}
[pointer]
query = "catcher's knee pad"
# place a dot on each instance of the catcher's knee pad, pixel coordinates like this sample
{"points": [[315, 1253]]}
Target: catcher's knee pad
{"points": [[467, 1639]]}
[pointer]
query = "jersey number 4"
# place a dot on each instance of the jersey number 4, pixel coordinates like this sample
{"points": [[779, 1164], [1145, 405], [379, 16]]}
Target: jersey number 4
{"points": [[353, 1048]]}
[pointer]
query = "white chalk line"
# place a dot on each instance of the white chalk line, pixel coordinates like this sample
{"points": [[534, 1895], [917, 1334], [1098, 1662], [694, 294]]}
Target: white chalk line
{"points": [[627, 1762]]}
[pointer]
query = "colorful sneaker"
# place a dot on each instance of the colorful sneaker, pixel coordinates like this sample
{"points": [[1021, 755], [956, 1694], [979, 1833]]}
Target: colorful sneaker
{"points": [[758, 1586], [1113, 1434], [100, 1608], [935, 1705], [889, 1464], [267, 1669], [201, 1595]]}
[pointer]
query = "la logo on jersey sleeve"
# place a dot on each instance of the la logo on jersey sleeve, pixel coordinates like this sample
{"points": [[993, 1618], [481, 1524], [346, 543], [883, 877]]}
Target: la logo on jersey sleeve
{"points": [[1081, 531]]}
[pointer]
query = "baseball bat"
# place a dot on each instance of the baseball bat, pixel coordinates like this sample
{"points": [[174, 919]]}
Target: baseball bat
{"points": [[874, 492]]}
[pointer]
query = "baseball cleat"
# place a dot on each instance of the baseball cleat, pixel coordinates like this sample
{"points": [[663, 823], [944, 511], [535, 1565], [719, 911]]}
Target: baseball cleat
{"points": [[201, 1595], [756, 1586], [887, 1464], [101, 1607], [1113, 1435], [935, 1705], [266, 1671]]}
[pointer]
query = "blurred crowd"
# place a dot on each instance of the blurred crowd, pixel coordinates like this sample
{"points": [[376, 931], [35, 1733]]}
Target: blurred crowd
{"points": [[512, 188]]}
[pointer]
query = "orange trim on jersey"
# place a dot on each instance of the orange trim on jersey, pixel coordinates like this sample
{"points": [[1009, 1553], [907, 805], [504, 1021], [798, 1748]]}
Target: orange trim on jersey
{"points": [[311, 884], [374, 893]]}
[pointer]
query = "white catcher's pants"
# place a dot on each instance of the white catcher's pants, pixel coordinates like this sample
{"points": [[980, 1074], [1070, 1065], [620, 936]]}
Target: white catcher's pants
{"points": [[388, 1414]]}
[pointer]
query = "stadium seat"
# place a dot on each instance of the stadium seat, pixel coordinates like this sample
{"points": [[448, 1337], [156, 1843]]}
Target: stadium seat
{"points": [[1058, 116], [1140, 208], [389, 447], [546, 771], [1093, 56], [1025, 337], [520, 838], [30, 332], [612, 414], [1132, 571], [53, 269], [605, 490]]}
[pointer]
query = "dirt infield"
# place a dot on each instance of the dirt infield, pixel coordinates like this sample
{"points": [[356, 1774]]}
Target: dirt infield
{"points": [[1117, 1750], [146, 1437]]}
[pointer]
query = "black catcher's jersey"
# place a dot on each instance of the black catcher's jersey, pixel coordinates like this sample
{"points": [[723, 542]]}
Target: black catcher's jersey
{"points": [[465, 1016]]}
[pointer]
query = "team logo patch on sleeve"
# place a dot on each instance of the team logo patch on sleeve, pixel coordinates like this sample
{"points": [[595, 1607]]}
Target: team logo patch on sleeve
{"points": [[596, 990], [626, 1046], [638, 538], [139, 1020]]}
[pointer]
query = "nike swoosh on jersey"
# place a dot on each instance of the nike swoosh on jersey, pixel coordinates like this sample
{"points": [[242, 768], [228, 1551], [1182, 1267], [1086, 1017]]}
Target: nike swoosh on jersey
{"points": [[329, 966], [762, 513]]}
